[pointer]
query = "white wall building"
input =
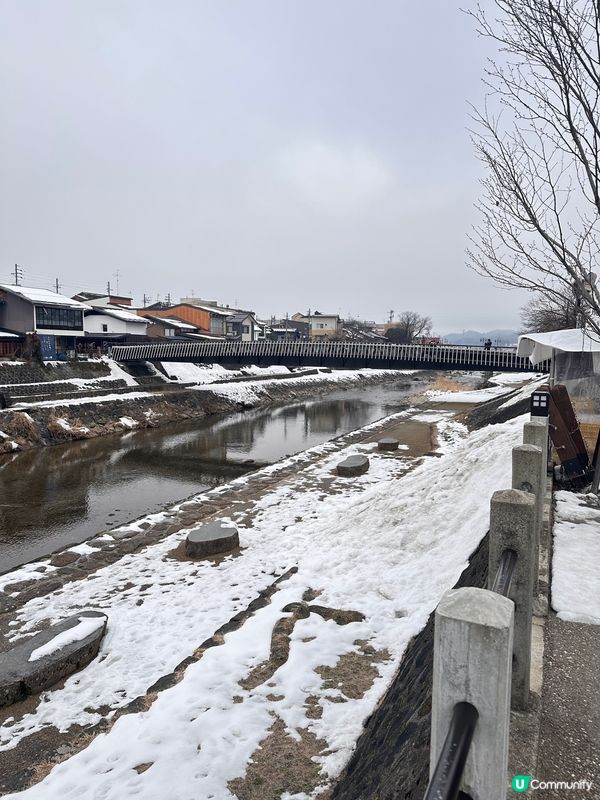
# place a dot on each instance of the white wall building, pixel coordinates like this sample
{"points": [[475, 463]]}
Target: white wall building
{"points": [[108, 319]]}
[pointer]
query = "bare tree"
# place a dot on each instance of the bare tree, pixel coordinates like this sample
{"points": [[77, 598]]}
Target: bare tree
{"points": [[359, 324], [409, 328], [545, 314], [539, 139]]}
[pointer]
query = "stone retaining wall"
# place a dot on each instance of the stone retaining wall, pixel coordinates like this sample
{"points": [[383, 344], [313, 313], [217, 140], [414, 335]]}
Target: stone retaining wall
{"points": [[24, 372], [391, 759], [37, 426]]}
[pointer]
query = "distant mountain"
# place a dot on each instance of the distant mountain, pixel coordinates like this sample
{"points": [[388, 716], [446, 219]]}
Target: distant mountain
{"points": [[499, 336]]}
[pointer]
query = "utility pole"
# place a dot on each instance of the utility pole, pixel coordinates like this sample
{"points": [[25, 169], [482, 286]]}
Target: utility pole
{"points": [[168, 298], [145, 300], [108, 287], [18, 274], [57, 284], [391, 315], [116, 275]]}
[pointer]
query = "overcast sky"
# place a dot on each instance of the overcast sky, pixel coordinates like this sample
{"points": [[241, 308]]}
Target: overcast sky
{"points": [[277, 155]]}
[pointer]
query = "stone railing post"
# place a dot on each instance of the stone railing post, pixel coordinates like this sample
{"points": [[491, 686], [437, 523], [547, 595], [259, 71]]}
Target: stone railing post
{"points": [[473, 645], [527, 461], [512, 527], [536, 432]]}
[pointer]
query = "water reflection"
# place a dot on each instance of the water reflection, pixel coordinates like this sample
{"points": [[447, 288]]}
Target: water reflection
{"points": [[62, 495]]}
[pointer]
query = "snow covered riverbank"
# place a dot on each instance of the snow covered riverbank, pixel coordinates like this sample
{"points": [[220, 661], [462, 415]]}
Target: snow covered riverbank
{"points": [[362, 561], [40, 423]]}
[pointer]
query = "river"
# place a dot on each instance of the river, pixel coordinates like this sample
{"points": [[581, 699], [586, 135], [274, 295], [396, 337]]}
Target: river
{"points": [[62, 495]]}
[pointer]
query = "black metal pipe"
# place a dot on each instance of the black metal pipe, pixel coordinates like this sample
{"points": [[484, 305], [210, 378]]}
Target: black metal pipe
{"points": [[503, 578], [445, 781]]}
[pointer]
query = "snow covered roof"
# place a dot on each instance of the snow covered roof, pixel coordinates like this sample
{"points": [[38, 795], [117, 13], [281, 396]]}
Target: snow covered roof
{"points": [[119, 313], [207, 336], [172, 322], [213, 310], [177, 323], [9, 335], [306, 316], [88, 296], [241, 316], [43, 296], [540, 346]]}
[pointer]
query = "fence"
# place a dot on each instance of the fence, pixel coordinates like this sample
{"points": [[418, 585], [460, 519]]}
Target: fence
{"points": [[482, 643]]}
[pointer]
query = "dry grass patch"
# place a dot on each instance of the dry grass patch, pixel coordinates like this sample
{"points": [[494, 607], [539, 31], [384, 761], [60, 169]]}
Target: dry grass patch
{"points": [[281, 764], [444, 384], [280, 648], [354, 673]]}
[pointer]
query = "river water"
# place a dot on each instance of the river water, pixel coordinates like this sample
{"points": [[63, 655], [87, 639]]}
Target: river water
{"points": [[61, 495]]}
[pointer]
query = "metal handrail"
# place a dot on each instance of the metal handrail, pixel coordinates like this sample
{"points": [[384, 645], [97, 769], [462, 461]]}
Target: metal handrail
{"points": [[445, 781], [504, 574]]}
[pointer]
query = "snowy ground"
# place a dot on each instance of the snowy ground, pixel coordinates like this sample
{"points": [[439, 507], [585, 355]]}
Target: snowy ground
{"points": [[387, 545], [203, 374], [198, 373], [576, 558]]}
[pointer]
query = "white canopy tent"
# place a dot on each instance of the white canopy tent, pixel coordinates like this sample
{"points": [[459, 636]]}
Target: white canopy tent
{"points": [[542, 346]]}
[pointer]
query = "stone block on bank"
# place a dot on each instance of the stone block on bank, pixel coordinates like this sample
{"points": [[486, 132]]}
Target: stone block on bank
{"points": [[387, 443], [211, 539], [41, 661], [353, 465]]}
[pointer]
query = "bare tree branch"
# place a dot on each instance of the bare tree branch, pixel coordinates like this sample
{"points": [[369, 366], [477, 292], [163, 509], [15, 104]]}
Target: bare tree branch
{"points": [[539, 139]]}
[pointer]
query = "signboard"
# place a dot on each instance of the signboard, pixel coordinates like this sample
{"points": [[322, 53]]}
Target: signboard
{"points": [[47, 346]]}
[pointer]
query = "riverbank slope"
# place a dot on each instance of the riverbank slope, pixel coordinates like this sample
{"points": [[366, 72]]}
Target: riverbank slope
{"points": [[93, 411], [251, 675]]}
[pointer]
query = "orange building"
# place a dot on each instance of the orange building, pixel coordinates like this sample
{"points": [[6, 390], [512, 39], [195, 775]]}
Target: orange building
{"points": [[192, 314]]}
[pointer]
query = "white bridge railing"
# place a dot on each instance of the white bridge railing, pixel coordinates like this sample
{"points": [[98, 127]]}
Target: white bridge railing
{"points": [[343, 353]]}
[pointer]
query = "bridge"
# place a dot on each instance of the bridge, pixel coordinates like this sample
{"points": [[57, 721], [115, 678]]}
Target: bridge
{"points": [[339, 355]]}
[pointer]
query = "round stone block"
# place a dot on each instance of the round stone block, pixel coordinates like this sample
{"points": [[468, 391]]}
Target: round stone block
{"points": [[388, 444], [353, 465], [210, 539]]}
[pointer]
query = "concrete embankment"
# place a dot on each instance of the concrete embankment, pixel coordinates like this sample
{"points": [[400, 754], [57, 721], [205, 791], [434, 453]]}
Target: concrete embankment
{"points": [[325, 549], [61, 419]]}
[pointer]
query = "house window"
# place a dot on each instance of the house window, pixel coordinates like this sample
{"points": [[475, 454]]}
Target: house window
{"points": [[48, 317], [321, 325], [104, 327], [245, 328]]}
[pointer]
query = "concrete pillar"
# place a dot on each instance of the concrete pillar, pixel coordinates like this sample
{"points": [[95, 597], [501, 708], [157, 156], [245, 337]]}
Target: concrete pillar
{"points": [[536, 432], [512, 524], [527, 461], [473, 645]]}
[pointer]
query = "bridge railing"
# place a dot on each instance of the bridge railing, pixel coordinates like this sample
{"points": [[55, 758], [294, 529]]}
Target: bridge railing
{"points": [[482, 646], [346, 354]]}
